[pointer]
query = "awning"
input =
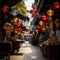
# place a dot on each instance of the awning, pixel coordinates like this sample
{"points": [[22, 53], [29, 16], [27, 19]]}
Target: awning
{"points": [[23, 17], [20, 16]]}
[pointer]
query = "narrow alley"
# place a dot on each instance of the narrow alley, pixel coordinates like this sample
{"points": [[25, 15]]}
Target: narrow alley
{"points": [[29, 51], [29, 30]]}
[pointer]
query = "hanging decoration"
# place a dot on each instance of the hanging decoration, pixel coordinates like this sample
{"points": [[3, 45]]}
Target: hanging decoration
{"points": [[20, 30], [50, 12], [56, 5], [5, 9], [18, 24], [33, 11], [20, 7], [41, 23], [44, 17], [38, 27], [15, 20], [44, 28]]}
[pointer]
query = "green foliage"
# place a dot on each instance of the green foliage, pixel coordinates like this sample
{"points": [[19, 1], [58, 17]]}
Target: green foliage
{"points": [[44, 36], [21, 8]]}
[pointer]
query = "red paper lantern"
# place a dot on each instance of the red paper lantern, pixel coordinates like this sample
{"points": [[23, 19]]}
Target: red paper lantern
{"points": [[44, 17], [18, 24], [33, 11], [20, 30], [5, 9], [38, 27], [56, 5]]}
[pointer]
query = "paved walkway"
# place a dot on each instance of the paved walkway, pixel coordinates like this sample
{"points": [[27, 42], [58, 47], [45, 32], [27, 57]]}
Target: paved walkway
{"points": [[29, 53]]}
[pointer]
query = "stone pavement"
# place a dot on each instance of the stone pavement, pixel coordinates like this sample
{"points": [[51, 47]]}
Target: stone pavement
{"points": [[29, 51]]}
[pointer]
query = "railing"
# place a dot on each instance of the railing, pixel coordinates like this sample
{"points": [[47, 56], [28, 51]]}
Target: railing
{"points": [[51, 52]]}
